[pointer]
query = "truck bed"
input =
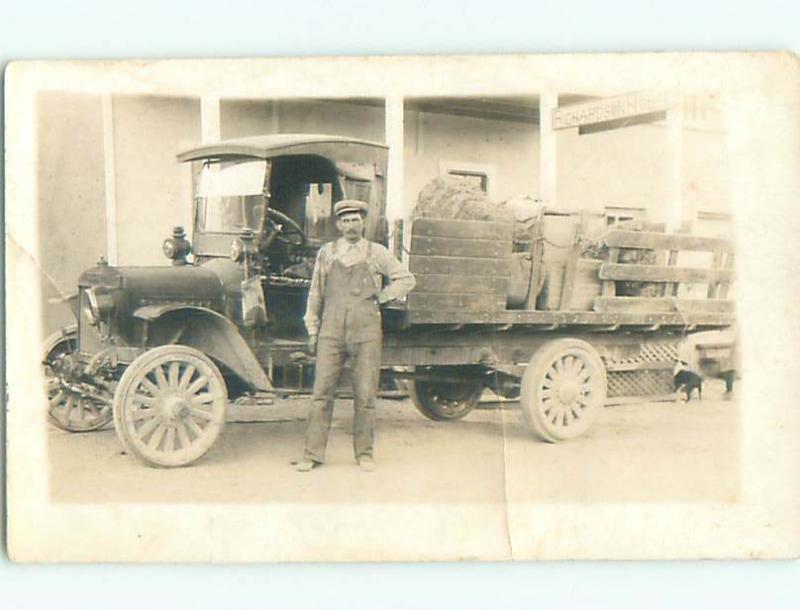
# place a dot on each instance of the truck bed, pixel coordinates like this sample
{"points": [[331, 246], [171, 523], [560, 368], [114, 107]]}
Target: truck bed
{"points": [[467, 273]]}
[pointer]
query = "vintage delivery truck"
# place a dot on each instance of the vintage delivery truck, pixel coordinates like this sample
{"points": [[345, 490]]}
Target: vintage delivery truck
{"points": [[162, 351]]}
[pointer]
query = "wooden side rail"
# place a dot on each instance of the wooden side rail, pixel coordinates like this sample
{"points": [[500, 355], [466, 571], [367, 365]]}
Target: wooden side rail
{"points": [[649, 240], [664, 271], [656, 273]]}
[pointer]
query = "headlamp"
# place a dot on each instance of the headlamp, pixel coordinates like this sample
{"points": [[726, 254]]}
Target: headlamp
{"points": [[98, 305], [177, 247], [169, 248]]}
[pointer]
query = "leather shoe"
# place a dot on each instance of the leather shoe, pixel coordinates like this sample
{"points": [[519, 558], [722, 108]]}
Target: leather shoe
{"points": [[305, 465], [366, 463]]}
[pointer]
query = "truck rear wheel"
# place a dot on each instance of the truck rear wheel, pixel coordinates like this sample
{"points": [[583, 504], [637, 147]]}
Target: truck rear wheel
{"points": [[563, 389], [169, 407], [444, 400]]}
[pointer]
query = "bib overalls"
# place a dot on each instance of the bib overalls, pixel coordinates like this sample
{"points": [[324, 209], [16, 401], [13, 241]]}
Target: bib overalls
{"points": [[350, 328]]}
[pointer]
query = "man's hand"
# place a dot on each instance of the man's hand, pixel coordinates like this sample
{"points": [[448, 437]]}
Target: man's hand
{"points": [[312, 345]]}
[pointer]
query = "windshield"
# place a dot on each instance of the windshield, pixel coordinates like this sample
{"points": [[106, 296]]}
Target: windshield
{"points": [[229, 196]]}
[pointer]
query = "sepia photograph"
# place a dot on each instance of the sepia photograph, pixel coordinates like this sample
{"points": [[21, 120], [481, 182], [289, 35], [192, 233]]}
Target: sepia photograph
{"points": [[307, 310]]}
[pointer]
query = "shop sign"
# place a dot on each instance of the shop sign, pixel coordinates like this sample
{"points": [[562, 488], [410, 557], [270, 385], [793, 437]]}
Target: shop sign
{"points": [[611, 109]]}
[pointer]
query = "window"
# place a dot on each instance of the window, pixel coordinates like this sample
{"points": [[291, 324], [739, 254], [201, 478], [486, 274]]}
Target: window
{"points": [[305, 187], [617, 214], [473, 178], [479, 175], [714, 224]]}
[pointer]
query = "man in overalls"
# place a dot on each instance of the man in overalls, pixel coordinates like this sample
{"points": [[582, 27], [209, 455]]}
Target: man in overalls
{"points": [[343, 320]]}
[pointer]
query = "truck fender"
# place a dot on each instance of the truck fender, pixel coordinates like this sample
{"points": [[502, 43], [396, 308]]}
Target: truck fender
{"points": [[67, 334], [207, 331]]}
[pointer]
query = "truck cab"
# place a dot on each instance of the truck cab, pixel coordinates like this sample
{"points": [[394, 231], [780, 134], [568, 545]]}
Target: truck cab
{"points": [[227, 314], [266, 204]]}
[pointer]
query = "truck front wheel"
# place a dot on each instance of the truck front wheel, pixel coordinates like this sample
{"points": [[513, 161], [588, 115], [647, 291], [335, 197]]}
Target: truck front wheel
{"points": [[169, 407]]}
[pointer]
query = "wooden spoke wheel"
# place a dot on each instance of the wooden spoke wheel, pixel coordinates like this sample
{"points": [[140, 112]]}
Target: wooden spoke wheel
{"points": [[563, 389], [444, 400], [68, 408], [170, 406]]}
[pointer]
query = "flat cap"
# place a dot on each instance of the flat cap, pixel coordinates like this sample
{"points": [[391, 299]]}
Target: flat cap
{"points": [[350, 205]]}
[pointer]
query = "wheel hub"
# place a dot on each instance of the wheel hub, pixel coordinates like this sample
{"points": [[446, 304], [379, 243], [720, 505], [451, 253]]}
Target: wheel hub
{"points": [[174, 407], [568, 392]]}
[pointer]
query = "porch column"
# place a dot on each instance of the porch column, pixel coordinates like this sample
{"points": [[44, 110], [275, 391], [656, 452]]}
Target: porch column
{"points": [[274, 117], [395, 204], [674, 208], [210, 122], [109, 179], [210, 131], [548, 157]]}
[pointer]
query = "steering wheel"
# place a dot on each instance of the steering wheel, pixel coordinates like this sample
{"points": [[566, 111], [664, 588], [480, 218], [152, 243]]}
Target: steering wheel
{"points": [[286, 229]]}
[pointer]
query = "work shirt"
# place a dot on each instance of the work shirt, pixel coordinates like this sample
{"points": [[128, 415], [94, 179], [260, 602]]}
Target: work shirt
{"points": [[381, 262]]}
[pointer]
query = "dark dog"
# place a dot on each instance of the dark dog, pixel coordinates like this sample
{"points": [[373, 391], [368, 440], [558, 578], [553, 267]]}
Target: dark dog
{"points": [[687, 380]]}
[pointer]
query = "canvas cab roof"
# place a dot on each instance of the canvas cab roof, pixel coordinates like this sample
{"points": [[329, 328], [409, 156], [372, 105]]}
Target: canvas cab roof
{"points": [[275, 145]]}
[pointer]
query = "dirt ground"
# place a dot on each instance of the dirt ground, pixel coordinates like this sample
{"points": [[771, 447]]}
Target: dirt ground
{"points": [[658, 452]]}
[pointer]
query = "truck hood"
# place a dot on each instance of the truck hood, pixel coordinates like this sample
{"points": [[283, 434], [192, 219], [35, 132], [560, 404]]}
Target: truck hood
{"points": [[188, 284]]}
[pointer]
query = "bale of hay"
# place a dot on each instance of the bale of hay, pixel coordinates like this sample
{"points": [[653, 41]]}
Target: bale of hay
{"points": [[448, 197]]}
